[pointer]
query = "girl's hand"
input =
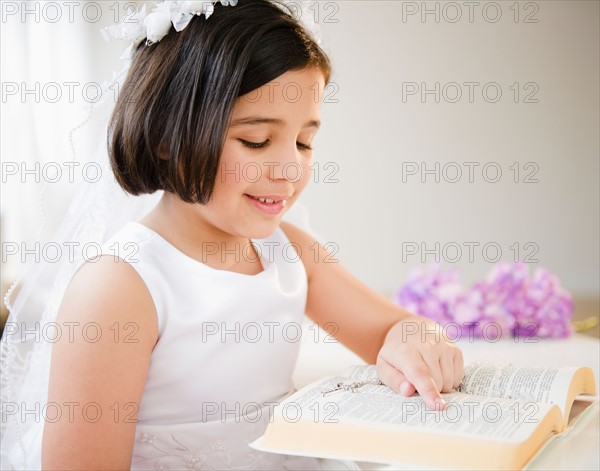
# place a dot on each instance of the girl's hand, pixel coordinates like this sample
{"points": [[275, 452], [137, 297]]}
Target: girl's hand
{"points": [[409, 351], [417, 355]]}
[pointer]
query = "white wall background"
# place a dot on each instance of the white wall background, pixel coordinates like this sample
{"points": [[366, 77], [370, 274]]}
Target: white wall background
{"points": [[372, 130]]}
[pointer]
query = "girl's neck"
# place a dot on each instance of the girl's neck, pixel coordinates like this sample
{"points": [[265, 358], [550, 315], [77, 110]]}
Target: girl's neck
{"points": [[183, 226]]}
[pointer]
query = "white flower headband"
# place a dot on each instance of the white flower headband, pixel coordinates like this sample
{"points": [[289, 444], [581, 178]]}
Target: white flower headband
{"points": [[155, 25]]}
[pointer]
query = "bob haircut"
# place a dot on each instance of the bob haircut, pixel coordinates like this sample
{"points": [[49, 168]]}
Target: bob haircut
{"points": [[168, 128]]}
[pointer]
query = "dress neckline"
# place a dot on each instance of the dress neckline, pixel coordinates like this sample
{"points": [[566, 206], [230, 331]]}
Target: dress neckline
{"points": [[264, 262]]}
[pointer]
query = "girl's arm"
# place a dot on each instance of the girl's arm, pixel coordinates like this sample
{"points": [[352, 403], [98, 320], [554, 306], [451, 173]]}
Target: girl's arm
{"points": [[410, 351], [98, 372]]}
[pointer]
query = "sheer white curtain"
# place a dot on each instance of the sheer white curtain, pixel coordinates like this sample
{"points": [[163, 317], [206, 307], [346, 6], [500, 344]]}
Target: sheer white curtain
{"points": [[53, 61]]}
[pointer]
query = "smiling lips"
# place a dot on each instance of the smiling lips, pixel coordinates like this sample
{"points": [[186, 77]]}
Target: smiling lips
{"points": [[268, 204]]}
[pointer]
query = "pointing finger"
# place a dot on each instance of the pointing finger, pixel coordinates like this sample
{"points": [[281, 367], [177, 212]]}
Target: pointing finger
{"points": [[418, 373]]}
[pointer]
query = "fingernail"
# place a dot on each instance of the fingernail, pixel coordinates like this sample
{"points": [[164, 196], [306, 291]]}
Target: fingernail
{"points": [[404, 388], [439, 403]]}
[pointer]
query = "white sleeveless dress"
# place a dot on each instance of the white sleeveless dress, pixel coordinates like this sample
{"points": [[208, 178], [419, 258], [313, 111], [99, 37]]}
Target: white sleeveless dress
{"points": [[227, 348], [225, 355]]}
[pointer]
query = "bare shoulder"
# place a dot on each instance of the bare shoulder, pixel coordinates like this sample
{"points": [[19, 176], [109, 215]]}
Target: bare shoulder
{"points": [[103, 361], [109, 289], [310, 250]]}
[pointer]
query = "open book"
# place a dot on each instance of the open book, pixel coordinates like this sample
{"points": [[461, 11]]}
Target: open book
{"points": [[501, 417]]}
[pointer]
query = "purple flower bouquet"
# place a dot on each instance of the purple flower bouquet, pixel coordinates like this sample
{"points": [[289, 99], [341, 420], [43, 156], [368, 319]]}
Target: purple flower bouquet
{"points": [[507, 302]]}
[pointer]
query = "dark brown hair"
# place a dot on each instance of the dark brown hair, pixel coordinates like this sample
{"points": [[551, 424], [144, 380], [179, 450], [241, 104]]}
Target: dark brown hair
{"points": [[169, 124]]}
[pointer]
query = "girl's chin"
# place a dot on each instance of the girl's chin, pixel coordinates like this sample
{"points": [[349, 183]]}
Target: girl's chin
{"points": [[263, 231]]}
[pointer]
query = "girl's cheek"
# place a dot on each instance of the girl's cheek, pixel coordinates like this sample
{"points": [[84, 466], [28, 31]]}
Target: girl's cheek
{"points": [[231, 171], [306, 175]]}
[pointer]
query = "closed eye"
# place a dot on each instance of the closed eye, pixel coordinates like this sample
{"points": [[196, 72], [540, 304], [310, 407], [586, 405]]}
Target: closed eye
{"points": [[260, 145], [253, 145], [303, 146]]}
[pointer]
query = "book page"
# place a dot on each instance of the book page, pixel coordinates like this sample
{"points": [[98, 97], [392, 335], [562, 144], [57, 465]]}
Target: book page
{"points": [[361, 373], [378, 405], [549, 385]]}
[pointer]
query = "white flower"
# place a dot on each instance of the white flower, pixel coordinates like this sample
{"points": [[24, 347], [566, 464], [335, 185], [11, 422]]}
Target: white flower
{"points": [[133, 29], [157, 25], [197, 7]]}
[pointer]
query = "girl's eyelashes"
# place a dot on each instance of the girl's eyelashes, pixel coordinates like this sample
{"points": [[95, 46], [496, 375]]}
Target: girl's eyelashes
{"points": [[253, 145], [259, 145], [304, 146]]}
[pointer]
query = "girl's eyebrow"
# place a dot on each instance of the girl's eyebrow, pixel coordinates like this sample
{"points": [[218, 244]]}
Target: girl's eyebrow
{"points": [[313, 123]]}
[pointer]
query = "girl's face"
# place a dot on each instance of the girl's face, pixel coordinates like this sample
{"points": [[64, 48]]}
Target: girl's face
{"points": [[267, 154]]}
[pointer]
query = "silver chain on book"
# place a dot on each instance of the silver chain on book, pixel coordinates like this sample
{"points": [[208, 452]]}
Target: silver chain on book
{"points": [[352, 387]]}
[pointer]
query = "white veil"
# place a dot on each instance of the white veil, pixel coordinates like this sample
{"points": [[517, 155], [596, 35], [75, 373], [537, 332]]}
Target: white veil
{"points": [[99, 208]]}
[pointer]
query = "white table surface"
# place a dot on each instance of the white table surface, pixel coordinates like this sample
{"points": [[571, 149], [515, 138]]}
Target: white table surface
{"points": [[577, 450]]}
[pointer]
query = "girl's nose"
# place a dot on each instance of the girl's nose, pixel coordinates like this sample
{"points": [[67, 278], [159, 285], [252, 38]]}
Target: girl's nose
{"points": [[285, 164]]}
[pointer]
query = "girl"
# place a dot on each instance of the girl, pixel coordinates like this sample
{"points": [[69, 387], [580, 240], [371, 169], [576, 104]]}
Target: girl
{"points": [[221, 117]]}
